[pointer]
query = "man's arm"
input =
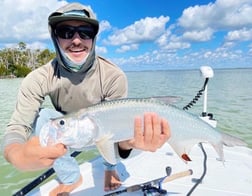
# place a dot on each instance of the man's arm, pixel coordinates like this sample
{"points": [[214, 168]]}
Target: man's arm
{"points": [[30, 156]]}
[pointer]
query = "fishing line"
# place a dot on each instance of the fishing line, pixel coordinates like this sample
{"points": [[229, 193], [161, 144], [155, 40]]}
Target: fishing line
{"points": [[189, 105], [198, 181], [196, 98]]}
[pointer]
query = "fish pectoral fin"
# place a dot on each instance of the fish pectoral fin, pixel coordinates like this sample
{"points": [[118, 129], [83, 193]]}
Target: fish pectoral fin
{"points": [[106, 148], [182, 148]]}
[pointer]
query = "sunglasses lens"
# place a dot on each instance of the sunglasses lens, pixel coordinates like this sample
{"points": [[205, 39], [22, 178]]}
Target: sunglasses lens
{"points": [[67, 32], [86, 32], [64, 32]]}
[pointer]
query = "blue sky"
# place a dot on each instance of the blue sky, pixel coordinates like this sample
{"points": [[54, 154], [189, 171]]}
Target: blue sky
{"points": [[144, 34]]}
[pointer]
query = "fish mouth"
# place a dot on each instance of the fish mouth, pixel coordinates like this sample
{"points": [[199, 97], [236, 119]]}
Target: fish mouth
{"points": [[76, 134]]}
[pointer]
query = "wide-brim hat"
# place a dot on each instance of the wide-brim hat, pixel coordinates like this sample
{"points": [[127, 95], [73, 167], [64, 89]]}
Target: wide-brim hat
{"points": [[74, 11]]}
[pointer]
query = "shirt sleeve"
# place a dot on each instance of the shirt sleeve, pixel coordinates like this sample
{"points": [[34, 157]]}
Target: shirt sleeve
{"points": [[29, 99]]}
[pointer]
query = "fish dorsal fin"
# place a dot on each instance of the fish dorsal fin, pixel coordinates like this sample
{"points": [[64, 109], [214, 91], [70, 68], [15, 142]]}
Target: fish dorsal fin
{"points": [[167, 99], [106, 148]]}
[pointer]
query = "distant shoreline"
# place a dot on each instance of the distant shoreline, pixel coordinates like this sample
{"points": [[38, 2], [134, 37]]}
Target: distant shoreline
{"points": [[8, 76], [193, 69], [151, 70]]}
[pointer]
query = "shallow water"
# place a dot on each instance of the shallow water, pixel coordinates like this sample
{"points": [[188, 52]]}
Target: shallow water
{"points": [[229, 99]]}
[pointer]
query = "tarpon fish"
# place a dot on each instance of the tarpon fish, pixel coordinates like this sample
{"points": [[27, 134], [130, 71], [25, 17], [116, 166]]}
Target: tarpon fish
{"points": [[104, 124]]}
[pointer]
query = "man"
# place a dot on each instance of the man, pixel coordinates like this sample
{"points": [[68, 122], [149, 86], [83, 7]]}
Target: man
{"points": [[75, 79]]}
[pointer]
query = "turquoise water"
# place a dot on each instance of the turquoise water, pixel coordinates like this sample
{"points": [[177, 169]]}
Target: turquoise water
{"points": [[229, 99]]}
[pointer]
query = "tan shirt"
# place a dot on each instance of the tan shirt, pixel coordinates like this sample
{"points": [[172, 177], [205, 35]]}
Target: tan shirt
{"points": [[68, 91]]}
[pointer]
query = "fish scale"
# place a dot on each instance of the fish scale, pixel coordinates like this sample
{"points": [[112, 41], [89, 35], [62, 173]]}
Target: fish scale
{"points": [[123, 112], [109, 122]]}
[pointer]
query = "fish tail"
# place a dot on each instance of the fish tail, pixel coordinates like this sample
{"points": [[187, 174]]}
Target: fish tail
{"points": [[227, 140], [219, 149], [230, 140]]}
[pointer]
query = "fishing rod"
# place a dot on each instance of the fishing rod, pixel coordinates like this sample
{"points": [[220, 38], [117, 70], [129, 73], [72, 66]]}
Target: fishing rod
{"points": [[40, 179], [153, 186]]}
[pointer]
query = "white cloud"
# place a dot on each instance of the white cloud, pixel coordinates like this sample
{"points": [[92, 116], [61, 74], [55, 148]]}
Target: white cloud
{"points": [[228, 44], [25, 20], [101, 49], [243, 34], [125, 48], [223, 14], [171, 42], [198, 35], [147, 29], [104, 25], [176, 45], [200, 23], [164, 38]]}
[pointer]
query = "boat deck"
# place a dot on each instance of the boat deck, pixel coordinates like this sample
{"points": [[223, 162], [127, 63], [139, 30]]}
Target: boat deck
{"points": [[232, 177]]}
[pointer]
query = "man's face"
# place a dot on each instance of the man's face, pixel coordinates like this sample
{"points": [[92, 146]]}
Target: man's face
{"points": [[75, 46]]}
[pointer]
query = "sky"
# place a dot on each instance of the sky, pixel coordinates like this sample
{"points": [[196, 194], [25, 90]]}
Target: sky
{"points": [[144, 34]]}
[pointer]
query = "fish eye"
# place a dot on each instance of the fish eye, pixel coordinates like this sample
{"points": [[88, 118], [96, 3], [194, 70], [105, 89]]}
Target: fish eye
{"points": [[61, 122]]}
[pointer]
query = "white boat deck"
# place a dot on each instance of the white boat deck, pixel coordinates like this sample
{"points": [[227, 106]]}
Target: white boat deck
{"points": [[232, 178]]}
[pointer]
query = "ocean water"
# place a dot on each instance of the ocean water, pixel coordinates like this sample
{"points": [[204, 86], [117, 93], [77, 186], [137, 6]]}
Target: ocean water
{"points": [[229, 100]]}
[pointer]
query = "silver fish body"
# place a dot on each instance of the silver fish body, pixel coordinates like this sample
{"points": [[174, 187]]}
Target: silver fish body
{"points": [[109, 122]]}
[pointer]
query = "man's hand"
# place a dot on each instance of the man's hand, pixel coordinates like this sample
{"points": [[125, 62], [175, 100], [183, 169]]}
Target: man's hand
{"points": [[150, 136], [32, 156]]}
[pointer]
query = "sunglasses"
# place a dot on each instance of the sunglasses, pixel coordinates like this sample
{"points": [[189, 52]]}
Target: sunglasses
{"points": [[67, 32]]}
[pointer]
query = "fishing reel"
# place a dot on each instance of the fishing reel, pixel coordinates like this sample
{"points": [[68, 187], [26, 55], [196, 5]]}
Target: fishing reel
{"points": [[149, 190], [154, 188]]}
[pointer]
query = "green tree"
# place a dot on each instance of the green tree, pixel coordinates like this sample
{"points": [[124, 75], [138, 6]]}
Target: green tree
{"points": [[45, 56], [21, 71], [21, 46], [20, 60], [3, 70]]}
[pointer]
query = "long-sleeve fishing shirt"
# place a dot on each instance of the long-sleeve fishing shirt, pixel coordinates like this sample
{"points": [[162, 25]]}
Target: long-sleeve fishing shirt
{"points": [[68, 92]]}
